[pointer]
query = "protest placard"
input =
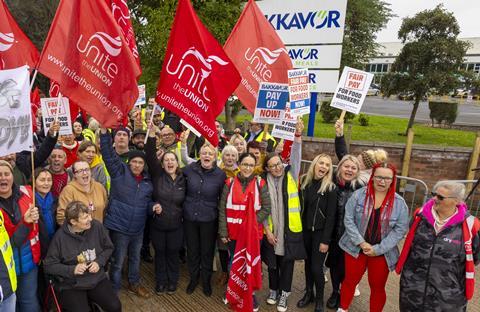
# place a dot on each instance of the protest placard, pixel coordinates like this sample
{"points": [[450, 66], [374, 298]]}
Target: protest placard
{"points": [[299, 91], [51, 109], [142, 96], [286, 128], [271, 102], [15, 111], [351, 90]]}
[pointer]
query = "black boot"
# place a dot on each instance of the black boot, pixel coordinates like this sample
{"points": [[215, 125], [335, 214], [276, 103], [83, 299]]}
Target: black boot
{"points": [[334, 301], [306, 300], [319, 305], [192, 285]]}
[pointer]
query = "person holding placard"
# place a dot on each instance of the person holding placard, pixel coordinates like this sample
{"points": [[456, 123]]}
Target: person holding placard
{"points": [[283, 240]]}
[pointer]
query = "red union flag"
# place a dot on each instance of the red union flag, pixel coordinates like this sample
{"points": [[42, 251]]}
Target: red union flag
{"points": [[258, 52], [87, 55], [121, 13], [197, 76], [16, 49], [246, 271]]}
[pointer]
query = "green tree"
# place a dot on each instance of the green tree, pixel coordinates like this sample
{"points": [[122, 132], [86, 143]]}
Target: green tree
{"points": [[364, 19], [430, 58]]}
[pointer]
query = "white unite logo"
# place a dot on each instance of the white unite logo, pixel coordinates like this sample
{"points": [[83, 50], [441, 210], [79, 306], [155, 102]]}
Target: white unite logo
{"points": [[198, 67]]}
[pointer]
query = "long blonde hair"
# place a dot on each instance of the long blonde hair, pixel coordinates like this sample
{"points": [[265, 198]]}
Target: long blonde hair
{"points": [[327, 181]]}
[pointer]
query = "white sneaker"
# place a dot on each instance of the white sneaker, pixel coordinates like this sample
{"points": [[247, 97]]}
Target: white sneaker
{"points": [[272, 297], [357, 292], [282, 302], [341, 310]]}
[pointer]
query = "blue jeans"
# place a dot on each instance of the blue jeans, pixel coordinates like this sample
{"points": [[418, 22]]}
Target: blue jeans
{"points": [[27, 300], [125, 245], [8, 305]]}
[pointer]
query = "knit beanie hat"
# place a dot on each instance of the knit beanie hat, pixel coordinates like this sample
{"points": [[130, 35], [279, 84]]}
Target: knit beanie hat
{"points": [[136, 153], [368, 160], [121, 128]]}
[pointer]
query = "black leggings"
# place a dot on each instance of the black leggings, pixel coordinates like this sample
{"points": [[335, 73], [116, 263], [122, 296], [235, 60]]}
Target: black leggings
{"points": [[336, 263], [73, 300], [314, 262]]}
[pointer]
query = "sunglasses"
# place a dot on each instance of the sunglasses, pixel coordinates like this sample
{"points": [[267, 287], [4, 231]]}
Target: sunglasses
{"points": [[440, 197]]}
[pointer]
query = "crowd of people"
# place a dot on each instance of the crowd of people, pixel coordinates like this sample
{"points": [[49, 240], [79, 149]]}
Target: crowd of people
{"points": [[99, 198]]}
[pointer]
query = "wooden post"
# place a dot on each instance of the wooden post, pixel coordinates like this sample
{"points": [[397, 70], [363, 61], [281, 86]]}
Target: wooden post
{"points": [[407, 155], [472, 164], [342, 115]]}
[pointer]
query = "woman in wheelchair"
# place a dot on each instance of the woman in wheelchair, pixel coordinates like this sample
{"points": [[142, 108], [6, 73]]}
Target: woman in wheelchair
{"points": [[76, 259]]}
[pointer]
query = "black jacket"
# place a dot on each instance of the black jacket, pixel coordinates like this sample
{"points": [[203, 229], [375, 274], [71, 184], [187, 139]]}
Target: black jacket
{"points": [[67, 249], [318, 210], [343, 194], [204, 187], [167, 192], [24, 159], [340, 147]]}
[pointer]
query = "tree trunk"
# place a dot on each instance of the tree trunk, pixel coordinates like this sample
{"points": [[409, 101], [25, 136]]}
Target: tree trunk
{"points": [[414, 112]]}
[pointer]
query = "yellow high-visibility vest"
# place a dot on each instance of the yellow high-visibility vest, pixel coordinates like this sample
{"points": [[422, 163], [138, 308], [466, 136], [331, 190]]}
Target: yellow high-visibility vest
{"points": [[294, 217], [7, 254]]}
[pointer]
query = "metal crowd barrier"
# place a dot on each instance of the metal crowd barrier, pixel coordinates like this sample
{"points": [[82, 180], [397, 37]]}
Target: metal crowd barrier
{"points": [[414, 191]]}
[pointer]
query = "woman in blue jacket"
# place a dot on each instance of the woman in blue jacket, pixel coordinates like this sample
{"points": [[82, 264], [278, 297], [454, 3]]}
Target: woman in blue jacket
{"points": [[129, 205], [205, 182]]}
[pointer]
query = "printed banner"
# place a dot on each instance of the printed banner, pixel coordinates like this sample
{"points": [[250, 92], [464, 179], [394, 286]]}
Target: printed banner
{"points": [[15, 48], [15, 111], [51, 109], [87, 55], [271, 102], [197, 76], [351, 90], [286, 128], [258, 53], [299, 91]]}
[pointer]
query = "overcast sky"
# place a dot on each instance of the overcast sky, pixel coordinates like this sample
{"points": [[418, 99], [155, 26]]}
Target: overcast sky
{"points": [[467, 13]]}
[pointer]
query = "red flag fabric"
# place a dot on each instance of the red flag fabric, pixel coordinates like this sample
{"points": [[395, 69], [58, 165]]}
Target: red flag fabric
{"points": [[258, 53], [246, 271], [87, 55], [15, 48], [35, 102], [54, 91], [197, 76], [121, 13]]}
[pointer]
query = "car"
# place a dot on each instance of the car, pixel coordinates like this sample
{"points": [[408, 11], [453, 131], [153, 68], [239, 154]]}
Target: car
{"points": [[373, 90]]}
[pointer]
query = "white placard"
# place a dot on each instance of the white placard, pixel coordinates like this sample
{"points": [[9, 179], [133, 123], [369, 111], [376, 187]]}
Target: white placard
{"points": [[51, 109], [351, 90], [286, 128], [15, 111], [271, 101], [299, 91], [142, 97], [316, 56], [306, 21]]}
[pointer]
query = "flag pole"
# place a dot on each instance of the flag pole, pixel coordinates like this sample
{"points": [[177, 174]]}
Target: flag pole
{"points": [[35, 225], [35, 72]]}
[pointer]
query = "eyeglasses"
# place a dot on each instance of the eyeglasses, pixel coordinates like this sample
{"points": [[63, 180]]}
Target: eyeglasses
{"points": [[247, 165], [84, 170], [276, 166], [440, 197], [168, 134], [380, 178]]}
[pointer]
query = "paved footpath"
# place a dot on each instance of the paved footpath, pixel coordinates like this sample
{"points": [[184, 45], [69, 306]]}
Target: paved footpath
{"points": [[181, 302]]}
